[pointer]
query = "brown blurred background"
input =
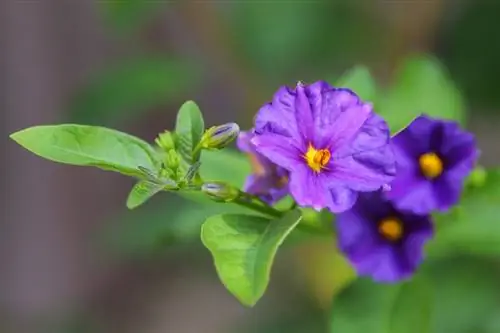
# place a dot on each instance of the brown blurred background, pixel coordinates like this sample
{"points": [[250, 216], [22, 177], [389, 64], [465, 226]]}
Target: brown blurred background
{"points": [[58, 272]]}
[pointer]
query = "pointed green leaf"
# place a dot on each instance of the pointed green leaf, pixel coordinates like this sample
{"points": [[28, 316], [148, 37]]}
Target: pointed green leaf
{"points": [[243, 248], [189, 129], [366, 306], [142, 191], [89, 146], [473, 226], [422, 85], [127, 89], [359, 80]]}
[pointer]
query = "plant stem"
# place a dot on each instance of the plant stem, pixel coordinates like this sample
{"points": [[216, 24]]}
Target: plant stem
{"points": [[255, 203]]}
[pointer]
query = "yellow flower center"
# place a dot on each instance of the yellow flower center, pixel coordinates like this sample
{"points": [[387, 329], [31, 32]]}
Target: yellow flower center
{"points": [[317, 159], [431, 165], [391, 228]]}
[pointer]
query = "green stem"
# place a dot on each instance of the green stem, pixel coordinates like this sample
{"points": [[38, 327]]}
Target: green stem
{"points": [[255, 203]]}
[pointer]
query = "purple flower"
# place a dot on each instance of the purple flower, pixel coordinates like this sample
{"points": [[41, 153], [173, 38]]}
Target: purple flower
{"points": [[330, 141], [381, 241], [268, 181], [433, 158]]}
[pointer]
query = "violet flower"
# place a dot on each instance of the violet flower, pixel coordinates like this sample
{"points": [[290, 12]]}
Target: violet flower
{"points": [[381, 241], [331, 142], [433, 159], [268, 181]]}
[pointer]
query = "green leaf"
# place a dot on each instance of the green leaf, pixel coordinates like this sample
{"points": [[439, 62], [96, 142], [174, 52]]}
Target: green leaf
{"points": [[421, 86], [466, 294], [189, 128], [473, 227], [142, 191], [89, 146], [243, 248], [128, 88], [366, 306], [359, 80]]}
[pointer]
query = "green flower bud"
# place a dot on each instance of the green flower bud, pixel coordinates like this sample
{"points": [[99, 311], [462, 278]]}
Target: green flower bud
{"points": [[173, 160], [165, 141], [218, 137], [220, 191]]}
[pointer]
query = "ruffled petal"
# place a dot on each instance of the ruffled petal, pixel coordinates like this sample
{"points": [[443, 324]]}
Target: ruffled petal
{"points": [[338, 117], [278, 149], [308, 188], [279, 116], [341, 198], [303, 115], [368, 161]]}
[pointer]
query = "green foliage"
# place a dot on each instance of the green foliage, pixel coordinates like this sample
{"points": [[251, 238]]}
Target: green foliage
{"points": [[299, 41], [89, 146], [359, 80], [189, 129], [142, 191], [244, 248], [472, 227], [421, 86], [225, 165], [472, 55], [366, 306], [125, 89], [466, 294], [127, 15]]}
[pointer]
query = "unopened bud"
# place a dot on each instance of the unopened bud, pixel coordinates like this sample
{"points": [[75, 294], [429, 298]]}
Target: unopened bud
{"points": [[218, 137], [165, 141], [173, 160], [220, 191]]}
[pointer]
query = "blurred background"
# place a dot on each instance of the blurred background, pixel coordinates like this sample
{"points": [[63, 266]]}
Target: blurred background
{"points": [[73, 259]]}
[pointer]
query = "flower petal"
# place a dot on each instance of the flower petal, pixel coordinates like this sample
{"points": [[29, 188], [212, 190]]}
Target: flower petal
{"points": [[412, 192], [447, 190], [267, 187], [278, 149], [459, 148], [341, 198], [279, 116], [415, 139], [414, 246], [243, 141], [303, 114], [338, 116], [368, 162], [393, 266], [307, 188]]}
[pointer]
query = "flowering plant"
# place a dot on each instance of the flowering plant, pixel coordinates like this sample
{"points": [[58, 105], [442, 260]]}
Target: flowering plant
{"points": [[313, 148]]}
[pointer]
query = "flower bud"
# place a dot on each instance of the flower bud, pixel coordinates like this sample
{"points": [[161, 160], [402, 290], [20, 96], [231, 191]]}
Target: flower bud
{"points": [[173, 160], [220, 191], [165, 141], [218, 137]]}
